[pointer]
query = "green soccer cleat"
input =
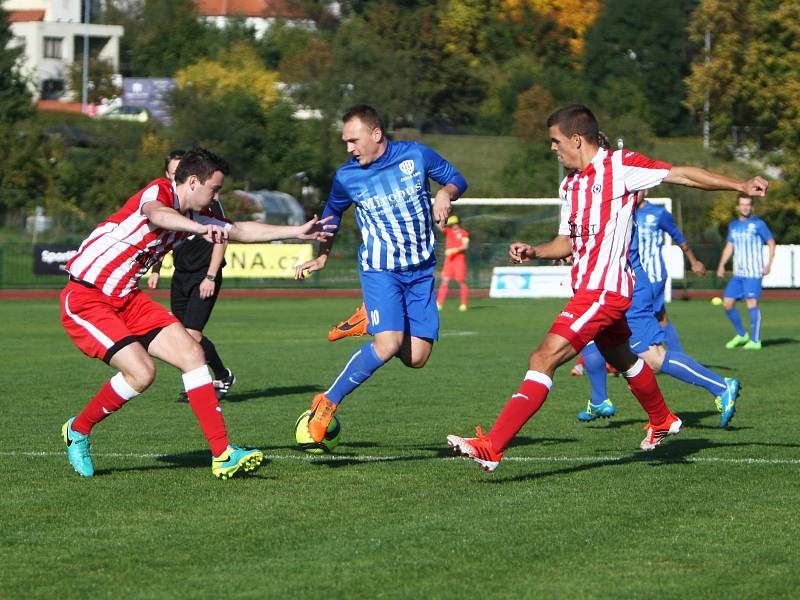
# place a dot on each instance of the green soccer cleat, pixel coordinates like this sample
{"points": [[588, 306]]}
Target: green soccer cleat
{"points": [[78, 448], [751, 345], [234, 459], [738, 340]]}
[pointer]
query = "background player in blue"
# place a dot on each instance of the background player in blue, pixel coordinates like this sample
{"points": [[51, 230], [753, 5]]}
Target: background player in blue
{"points": [[746, 237], [652, 221], [388, 183], [647, 340]]}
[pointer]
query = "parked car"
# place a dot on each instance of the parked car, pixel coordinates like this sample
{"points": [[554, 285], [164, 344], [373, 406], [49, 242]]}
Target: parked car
{"points": [[127, 113]]}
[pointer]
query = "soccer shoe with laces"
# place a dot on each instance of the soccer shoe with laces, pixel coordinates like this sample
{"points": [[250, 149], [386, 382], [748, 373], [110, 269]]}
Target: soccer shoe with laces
{"points": [[78, 448], [603, 410], [478, 449], [656, 433], [738, 340], [236, 459], [726, 403], [355, 325], [224, 385], [322, 411]]}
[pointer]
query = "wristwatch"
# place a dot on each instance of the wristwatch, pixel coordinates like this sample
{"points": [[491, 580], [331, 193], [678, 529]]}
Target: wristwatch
{"points": [[211, 277]]}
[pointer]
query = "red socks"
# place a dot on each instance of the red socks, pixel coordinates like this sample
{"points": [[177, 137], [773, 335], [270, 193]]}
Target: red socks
{"points": [[111, 397], [643, 384], [204, 403], [521, 407]]}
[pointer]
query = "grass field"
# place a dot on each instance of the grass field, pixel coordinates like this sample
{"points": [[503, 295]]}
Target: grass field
{"points": [[574, 511]]}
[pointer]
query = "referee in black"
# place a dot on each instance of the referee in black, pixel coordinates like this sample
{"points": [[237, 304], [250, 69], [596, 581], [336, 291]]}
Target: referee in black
{"points": [[196, 283]]}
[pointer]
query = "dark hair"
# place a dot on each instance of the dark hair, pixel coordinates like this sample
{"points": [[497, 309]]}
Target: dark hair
{"points": [[200, 162], [576, 118], [367, 114], [173, 155]]}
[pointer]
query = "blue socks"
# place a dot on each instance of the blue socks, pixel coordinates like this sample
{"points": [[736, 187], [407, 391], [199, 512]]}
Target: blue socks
{"points": [[671, 337], [685, 368], [596, 370], [362, 364], [755, 323], [733, 315]]}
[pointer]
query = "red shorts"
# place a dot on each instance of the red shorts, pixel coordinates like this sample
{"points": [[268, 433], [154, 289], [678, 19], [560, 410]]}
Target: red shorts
{"points": [[101, 325], [597, 315], [455, 268]]}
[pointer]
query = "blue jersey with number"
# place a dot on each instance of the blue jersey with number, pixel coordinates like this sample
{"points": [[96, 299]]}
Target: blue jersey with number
{"points": [[393, 204], [748, 236], [652, 222]]}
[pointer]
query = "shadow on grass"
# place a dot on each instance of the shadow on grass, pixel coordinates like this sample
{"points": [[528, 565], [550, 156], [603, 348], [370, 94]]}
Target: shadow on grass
{"points": [[670, 453], [779, 341], [273, 392]]}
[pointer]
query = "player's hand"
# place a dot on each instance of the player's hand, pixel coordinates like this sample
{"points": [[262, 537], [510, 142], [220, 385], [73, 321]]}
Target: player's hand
{"points": [[698, 268], [757, 186], [206, 288], [304, 270], [721, 272], [152, 281], [214, 234], [521, 252], [767, 269], [442, 207], [317, 229]]}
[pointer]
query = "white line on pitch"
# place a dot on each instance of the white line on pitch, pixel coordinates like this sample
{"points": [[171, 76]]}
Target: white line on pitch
{"points": [[535, 459]]}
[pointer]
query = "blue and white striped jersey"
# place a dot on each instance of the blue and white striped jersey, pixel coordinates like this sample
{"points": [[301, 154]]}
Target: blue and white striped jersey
{"points": [[393, 204], [748, 236], [652, 221]]}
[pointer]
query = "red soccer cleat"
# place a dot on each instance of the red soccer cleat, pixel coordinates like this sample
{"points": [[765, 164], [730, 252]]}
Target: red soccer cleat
{"points": [[478, 449], [355, 325], [656, 433]]}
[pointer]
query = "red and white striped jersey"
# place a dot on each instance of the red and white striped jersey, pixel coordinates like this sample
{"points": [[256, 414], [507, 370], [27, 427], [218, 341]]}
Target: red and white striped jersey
{"points": [[597, 213], [122, 248]]}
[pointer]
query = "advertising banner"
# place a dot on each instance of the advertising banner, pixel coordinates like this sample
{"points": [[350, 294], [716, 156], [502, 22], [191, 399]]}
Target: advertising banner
{"points": [[257, 261]]}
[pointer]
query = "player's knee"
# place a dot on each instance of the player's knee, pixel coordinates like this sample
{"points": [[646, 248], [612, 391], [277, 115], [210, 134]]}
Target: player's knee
{"points": [[140, 375]]}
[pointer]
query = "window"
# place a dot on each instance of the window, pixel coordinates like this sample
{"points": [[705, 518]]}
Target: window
{"points": [[52, 47]]}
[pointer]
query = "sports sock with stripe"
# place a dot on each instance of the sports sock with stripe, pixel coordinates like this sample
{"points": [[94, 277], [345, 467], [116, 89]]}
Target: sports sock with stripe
{"points": [[642, 383], [755, 323], [111, 397], [521, 407], [685, 368], [595, 365], [205, 406], [362, 364], [734, 317]]}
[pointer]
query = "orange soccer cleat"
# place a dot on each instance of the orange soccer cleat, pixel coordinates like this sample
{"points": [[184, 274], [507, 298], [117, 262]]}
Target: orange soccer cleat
{"points": [[355, 325], [657, 433], [322, 411], [478, 449]]}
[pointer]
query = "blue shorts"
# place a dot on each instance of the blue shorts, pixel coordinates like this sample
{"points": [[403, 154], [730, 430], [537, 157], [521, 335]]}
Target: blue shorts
{"points": [[743, 287], [645, 330], [658, 295], [401, 301]]}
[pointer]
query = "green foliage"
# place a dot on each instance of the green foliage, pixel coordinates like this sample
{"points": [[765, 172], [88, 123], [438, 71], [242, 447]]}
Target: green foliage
{"points": [[15, 98], [100, 80]]}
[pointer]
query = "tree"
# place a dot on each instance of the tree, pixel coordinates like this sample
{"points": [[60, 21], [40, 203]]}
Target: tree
{"points": [[637, 55], [15, 97], [101, 79]]}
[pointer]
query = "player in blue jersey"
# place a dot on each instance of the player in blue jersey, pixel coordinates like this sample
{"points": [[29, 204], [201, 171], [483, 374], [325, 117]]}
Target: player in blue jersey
{"points": [[388, 183], [647, 340], [652, 222], [746, 238]]}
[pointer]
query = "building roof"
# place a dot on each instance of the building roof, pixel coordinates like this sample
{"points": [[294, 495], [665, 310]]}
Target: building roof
{"points": [[246, 8], [23, 16]]}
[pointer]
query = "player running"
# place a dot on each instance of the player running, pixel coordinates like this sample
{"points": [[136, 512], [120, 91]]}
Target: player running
{"points": [[746, 236], [598, 201], [388, 183], [109, 318]]}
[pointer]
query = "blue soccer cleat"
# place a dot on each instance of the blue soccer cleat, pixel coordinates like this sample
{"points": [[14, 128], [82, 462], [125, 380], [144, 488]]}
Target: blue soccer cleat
{"points": [[596, 411], [234, 459], [726, 404], [78, 449]]}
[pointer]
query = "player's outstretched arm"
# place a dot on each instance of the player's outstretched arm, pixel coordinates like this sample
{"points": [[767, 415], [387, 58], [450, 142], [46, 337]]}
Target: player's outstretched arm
{"points": [[252, 231], [709, 180], [559, 247]]}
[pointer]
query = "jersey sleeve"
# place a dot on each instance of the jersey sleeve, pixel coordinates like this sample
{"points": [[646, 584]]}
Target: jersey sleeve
{"points": [[441, 171], [764, 232], [338, 201], [642, 173], [667, 223]]}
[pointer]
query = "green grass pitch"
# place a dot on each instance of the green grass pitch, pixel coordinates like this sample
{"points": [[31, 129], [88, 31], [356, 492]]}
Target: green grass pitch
{"points": [[574, 511]]}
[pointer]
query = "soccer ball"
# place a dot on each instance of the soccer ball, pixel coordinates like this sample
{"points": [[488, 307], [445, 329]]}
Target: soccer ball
{"points": [[305, 441]]}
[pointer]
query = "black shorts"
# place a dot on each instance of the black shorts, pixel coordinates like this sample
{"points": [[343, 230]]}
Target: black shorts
{"points": [[185, 301]]}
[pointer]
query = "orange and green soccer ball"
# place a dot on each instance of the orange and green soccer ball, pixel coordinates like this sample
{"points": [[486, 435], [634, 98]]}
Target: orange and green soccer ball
{"points": [[305, 441]]}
